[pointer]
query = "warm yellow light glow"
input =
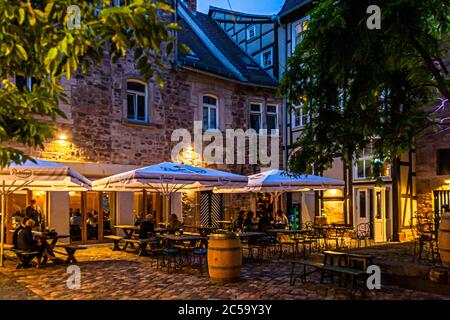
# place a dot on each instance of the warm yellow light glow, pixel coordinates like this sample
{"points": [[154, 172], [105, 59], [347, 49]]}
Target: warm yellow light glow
{"points": [[71, 193], [447, 181], [40, 193], [62, 136], [333, 192]]}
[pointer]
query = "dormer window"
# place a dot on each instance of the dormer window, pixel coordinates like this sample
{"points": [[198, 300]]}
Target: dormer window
{"points": [[251, 32], [266, 59]]}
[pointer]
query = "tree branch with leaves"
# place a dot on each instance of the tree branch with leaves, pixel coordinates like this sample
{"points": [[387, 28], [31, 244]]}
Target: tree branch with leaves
{"points": [[38, 39]]}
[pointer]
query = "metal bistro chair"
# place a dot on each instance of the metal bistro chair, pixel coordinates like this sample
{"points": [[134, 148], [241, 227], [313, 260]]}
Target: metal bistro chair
{"points": [[424, 234], [361, 233]]}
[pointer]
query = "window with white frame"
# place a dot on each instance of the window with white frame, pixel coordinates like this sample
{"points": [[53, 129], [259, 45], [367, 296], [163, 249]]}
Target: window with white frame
{"points": [[251, 32], [267, 59], [137, 101], [364, 166], [299, 117], [25, 82], [210, 113], [255, 116], [271, 117], [298, 28]]}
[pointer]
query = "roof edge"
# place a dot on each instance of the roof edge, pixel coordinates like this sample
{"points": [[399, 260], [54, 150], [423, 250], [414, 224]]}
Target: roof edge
{"points": [[209, 44], [264, 16]]}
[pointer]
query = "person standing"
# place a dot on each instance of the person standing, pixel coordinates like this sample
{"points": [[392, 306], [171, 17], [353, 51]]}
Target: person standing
{"points": [[34, 212]]}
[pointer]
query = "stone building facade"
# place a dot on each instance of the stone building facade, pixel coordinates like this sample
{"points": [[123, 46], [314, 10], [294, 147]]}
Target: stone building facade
{"points": [[99, 139]]}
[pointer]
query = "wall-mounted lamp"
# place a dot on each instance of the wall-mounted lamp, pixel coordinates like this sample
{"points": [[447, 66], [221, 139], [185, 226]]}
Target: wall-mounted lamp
{"points": [[447, 181]]}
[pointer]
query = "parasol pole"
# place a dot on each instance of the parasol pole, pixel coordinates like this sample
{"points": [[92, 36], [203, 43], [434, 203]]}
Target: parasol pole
{"points": [[3, 199]]}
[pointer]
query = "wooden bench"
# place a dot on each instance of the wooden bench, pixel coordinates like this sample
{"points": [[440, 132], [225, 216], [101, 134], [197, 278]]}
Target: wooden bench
{"points": [[357, 278], [316, 266], [25, 257], [116, 240], [70, 249], [141, 243]]}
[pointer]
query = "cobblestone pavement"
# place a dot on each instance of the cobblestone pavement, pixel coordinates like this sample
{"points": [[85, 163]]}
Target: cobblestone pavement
{"points": [[119, 275]]}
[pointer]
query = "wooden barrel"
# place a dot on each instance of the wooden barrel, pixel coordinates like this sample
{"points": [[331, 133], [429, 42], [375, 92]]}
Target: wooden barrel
{"points": [[224, 258], [444, 239]]}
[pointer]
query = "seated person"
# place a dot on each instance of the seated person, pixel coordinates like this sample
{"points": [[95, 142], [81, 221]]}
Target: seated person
{"points": [[16, 232], [281, 219], [248, 222], [174, 223], [147, 229], [239, 222], [26, 242], [264, 221]]}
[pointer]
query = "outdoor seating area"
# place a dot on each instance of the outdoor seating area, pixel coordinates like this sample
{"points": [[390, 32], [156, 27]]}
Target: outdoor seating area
{"points": [[317, 250]]}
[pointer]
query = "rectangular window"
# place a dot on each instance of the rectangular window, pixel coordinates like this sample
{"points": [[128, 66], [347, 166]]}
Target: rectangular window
{"points": [[298, 28], [255, 117], [251, 32], [443, 162], [136, 101], [271, 118], [266, 58], [22, 82], [210, 113], [364, 168], [362, 204], [299, 119]]}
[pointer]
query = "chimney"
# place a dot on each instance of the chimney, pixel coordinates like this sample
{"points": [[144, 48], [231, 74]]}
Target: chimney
{"points": [[191, 5]]}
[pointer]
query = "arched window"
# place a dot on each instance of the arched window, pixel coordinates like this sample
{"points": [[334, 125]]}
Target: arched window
{"points": [[210, 113], [137, 101]]}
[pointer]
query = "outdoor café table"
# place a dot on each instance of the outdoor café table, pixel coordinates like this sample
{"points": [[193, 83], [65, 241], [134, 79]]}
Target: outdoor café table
{"points": [[226, 224], [288, 232], [247, 235], [128, 230], [167, 230], [49, 239]]}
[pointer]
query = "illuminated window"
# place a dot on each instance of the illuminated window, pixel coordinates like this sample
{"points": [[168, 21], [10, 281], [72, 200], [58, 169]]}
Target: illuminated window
{"points": [[298, 29]]}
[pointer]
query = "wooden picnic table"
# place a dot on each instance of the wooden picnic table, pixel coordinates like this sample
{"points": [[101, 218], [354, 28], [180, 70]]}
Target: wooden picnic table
{"points": [[49, 239], [166, 230], [128, 229], [182, 238], [249, 234], [285, 231]]}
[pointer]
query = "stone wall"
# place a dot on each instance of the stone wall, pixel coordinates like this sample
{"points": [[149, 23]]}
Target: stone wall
{"points": [[427, 147], [98, 131]]}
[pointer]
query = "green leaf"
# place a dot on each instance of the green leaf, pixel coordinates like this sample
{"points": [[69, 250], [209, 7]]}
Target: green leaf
{"points": [[48, 9], [52, 53], [21, 16], [22, 53]]}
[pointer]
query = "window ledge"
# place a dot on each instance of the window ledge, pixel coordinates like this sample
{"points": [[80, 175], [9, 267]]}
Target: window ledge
{"points": [[138, 124]]}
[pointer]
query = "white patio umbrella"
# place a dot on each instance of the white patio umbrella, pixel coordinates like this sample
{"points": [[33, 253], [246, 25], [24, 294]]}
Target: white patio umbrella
{"points": [[37, 175], [277, 182], [168, 178]]}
